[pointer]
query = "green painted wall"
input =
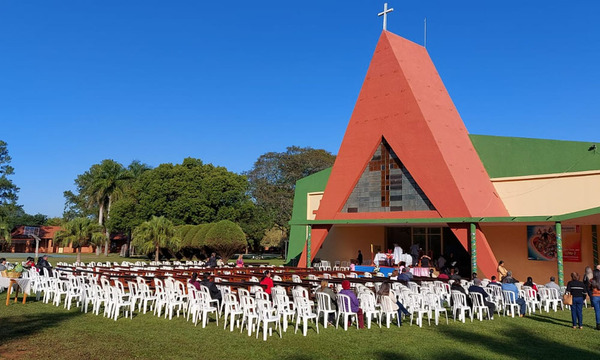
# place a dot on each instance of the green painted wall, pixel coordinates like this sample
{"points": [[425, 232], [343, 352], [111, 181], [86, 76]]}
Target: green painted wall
{"points": [[513, 156], [312, 183]]}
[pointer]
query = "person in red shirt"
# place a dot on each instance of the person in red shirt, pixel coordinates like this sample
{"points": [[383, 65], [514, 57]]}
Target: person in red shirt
{"points": [[267, 282]]}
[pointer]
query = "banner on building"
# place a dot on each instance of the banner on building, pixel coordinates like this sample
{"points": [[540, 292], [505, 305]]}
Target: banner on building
{"points": [[541, 243]]}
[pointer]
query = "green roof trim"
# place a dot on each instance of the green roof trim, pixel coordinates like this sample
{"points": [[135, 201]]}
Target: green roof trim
{"points": [[513, 156], [500, 219]]}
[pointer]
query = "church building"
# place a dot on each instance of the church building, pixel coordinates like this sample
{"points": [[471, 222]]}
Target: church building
{"points": [[408, 172]]}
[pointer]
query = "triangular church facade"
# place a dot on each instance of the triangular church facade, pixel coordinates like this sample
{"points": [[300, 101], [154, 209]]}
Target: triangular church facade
{"points": [[407, 158]]}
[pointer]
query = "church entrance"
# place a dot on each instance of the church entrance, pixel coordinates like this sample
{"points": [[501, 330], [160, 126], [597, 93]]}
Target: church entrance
{"points": [[434, 241]]}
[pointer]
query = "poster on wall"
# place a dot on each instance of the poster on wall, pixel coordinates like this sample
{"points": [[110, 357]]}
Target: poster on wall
{"points": [[541, 243]]}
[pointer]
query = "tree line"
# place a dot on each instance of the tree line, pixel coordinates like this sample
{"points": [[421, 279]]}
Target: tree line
{"points": [[190, 196]]}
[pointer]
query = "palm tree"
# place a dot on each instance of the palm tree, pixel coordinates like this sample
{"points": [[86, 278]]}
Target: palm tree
{"points": [[107, 182], [80, 232], [154, 234]]}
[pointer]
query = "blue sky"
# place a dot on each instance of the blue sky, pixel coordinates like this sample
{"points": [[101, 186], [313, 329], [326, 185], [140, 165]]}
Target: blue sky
{"points": [[157, 81]]}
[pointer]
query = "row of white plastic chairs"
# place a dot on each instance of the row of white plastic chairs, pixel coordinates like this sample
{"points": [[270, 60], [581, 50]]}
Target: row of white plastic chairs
{"points": [[171, 295]]}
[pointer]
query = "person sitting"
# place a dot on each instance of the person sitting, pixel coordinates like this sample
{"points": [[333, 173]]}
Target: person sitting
{"points": [[510, 278], [474, 276], [454, 274], [240, 261], [29, 263], [509, 285], [324, 288], [3, 264], [456, 286], [530, 283], [44, 264], [425, 260], [552, 284], [493, 281], [385, 291], [352, 265], [354, 305], [394, 275], [212, 261], [267, 282], [405, 276], [476, 288], [215, 294], [194, 280], [443, 275]]}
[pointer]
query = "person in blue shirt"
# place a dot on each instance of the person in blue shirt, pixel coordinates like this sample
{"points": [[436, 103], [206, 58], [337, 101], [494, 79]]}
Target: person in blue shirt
{"points": [[509, 285], [405, 276]]}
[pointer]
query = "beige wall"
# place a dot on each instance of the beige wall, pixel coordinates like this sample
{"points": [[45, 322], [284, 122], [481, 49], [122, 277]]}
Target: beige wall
{"points": [[553, 194], [343, 242], [509, 244]]}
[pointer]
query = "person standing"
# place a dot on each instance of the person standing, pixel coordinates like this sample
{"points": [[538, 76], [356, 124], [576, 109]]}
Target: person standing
{"points": [[502, 272], [359, 258], [595, 296], [578, 290]]}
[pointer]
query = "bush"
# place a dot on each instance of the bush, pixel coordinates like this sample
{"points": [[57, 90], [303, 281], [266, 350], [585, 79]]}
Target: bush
{"points": [[225, 238]]}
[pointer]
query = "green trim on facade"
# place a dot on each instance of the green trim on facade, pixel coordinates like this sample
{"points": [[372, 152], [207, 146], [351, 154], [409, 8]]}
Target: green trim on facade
{"points": [[313, 183], [512, 156], [434, 221]]}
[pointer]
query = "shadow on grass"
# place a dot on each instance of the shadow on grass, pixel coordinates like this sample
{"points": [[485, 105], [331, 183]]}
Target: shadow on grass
{"points": [[18, 326], [448, 354], [517, 342], [550, 320]]}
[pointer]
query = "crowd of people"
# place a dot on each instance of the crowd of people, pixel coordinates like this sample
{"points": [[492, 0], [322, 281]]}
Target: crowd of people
{"points": [[576, 292]]}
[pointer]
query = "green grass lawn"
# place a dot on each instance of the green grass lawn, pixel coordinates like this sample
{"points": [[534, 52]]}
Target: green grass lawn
{"points": [[36, 330]]}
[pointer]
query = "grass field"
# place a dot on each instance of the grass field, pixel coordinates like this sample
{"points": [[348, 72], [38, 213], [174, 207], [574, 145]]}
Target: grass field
{"points": [[42, 331]]}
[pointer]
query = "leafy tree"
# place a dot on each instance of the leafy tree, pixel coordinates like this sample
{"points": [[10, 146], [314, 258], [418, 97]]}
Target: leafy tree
{"points": [[54, 221], [8, 190], [192, 193], [273, 180], [226, 238], [273, 237], [80, 232], [97, 189], [155, 234], [5, 230]]}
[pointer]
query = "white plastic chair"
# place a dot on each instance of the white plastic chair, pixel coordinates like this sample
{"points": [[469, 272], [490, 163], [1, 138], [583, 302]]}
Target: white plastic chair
{"points": [[345, 312], [232, 310], [510, 303], [459, 306], [266, 316], [324, 307], [305, 313], [479, 307]]}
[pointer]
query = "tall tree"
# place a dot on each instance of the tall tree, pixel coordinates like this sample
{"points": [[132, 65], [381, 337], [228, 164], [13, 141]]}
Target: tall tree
{"points": [[97, 189], [8, 190], [5, 230], [273, 179], [157, 233], [80, 232]]}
